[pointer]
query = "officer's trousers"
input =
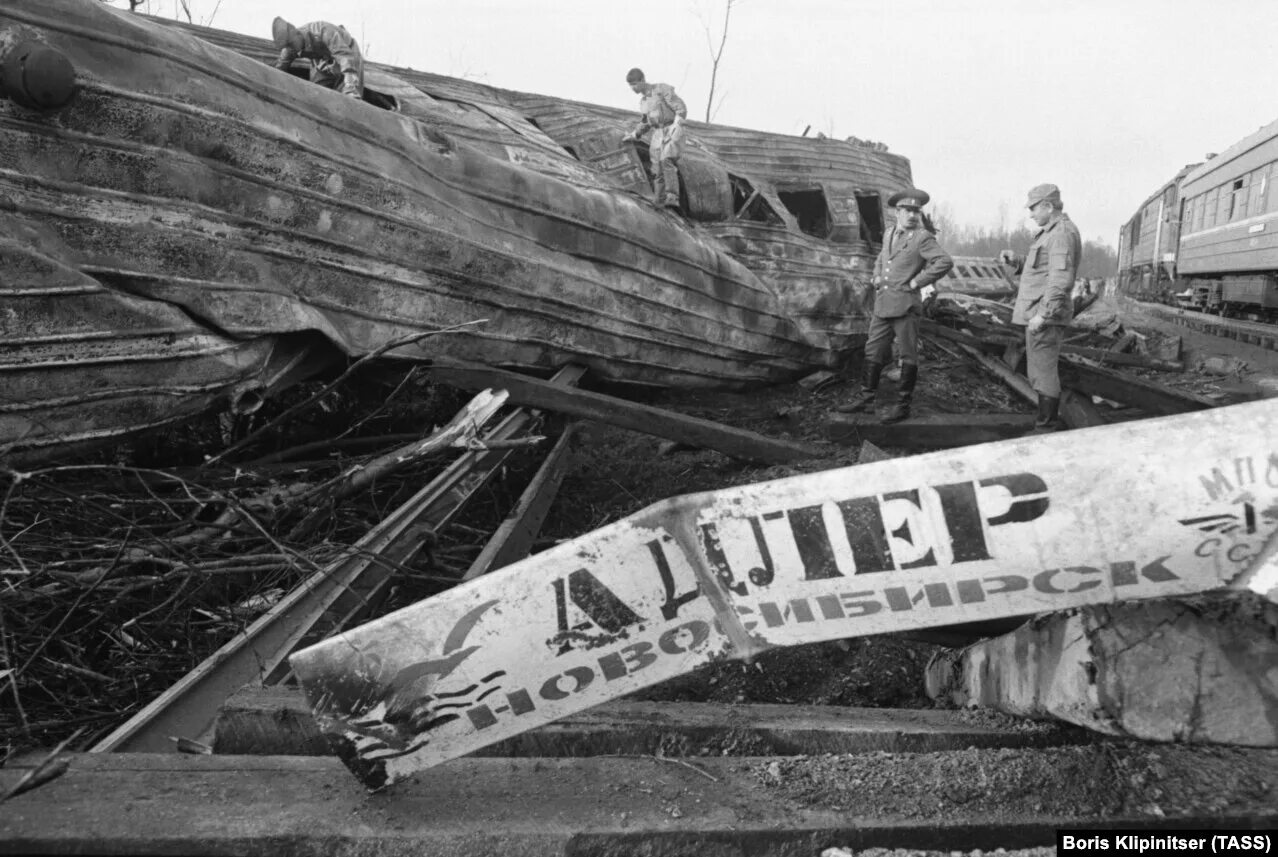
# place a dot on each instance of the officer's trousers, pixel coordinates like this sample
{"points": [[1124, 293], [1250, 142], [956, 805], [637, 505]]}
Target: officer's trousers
{"points": [[904, 329], [1042, 356]]}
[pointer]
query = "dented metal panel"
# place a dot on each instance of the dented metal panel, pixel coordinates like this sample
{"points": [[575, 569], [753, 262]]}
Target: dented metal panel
{"points": [[998, 530]]}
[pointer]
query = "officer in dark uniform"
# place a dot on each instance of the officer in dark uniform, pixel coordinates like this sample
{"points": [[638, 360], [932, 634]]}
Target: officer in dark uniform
{"points": [[910, 262]]}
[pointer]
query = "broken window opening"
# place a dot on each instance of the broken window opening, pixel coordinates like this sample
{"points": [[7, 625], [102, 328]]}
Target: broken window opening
{"points": [[381, 99], [810, 209], [870, 208], [569, 149], [749, 203]]}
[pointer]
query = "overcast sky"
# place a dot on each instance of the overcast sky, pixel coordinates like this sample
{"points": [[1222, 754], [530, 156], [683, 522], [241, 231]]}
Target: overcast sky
{"points": [[1106, 98]]}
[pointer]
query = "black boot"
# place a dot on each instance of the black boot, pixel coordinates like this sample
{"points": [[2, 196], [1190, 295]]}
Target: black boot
{"points": [[905, 393], [1048, 419], [869, 390]]}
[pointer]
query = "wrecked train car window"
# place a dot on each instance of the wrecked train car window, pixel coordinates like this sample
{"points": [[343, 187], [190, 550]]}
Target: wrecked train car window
{"points": [[811, 210], [750, 205], [870, 207], [381, 99]]}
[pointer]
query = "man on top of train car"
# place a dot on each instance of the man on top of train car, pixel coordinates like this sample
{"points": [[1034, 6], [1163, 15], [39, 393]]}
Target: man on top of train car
{"points": [[663, 112], [1043, 301], [335, 58], [909, 263]]}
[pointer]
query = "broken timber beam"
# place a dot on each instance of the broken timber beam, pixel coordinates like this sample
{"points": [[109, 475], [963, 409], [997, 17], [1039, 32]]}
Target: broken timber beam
{"points": [[934, 431], [1150, 396], [163, 804], [996, 342], [277, 721], [174, 803], [1139, 361], [1075, 410], [514, 537], [1195, 670], [536, 393]]}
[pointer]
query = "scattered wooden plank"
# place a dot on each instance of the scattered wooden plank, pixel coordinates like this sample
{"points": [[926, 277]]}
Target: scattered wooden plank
{"points": [[1151, 396], [1124, 343], [987, 342], [303, 806], [1168, 348], [1191, 671], [514, 537], [1006, 343], [267, 721], [738, 443], [935, 431], [1116, 358], [464, 425], [818, 381], [1076, 411]]}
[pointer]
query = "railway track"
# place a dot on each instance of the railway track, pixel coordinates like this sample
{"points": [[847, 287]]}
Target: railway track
{"points": [[341, 595], [1249, 332]]}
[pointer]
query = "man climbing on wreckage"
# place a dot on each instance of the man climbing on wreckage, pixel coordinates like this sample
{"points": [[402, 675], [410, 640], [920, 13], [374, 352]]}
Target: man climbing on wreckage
{"points": [[1043, 301], [335, 58], [663, 112], [909, 263]]}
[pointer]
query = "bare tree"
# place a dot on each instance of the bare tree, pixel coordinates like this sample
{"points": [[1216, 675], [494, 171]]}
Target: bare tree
{"points": [[717, 54]]}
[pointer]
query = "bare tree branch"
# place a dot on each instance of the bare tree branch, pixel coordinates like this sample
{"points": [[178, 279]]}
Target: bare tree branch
{"points": [[717, 55]]}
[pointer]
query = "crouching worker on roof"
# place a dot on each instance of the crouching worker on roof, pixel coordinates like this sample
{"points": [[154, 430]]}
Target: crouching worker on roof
{"points": [[663, 112], [1043, 301], [909, 263], [335, 58]]}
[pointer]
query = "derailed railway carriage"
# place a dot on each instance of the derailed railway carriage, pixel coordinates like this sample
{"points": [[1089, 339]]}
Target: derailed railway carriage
{"points": [[1213, 243]]}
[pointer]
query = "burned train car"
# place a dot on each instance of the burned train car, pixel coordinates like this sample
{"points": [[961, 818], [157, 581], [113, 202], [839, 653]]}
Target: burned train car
{"points": [[185, 227], [1224, 214]]}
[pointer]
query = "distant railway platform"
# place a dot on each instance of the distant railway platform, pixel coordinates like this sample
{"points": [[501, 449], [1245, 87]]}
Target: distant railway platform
{"points": [[1250, 332]]}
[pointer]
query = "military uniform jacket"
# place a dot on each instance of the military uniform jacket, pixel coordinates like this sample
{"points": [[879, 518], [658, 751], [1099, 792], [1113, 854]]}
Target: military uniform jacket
{"points": [[659, 108], [325, 45], [1047, 273], [908, 262]]}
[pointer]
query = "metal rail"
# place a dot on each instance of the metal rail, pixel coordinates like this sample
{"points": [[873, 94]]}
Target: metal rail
{"points": [[342, 593]]}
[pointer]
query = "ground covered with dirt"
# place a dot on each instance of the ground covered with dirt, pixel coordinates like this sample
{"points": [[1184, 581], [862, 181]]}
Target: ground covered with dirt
{"points": [[1108, 779]]}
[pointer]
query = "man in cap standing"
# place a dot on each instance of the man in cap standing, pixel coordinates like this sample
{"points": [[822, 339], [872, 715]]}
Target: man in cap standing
{"points": [[1043, 301], [910, 262], [335, 58], [663, 112]]}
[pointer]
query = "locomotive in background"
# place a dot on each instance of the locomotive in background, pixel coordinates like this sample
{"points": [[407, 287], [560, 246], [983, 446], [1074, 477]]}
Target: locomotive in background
{"points": [[1207, 240]]}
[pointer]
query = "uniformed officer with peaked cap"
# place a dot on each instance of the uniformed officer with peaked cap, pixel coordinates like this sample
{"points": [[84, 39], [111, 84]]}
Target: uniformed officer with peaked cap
{"points": [[910, 261]]}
